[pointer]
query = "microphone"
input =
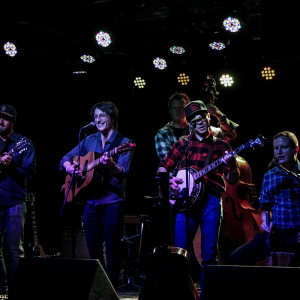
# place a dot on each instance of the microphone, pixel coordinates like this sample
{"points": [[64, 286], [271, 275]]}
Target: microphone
{"points": [[273, 162], [1, 128], [196, 119], [89, 126]]}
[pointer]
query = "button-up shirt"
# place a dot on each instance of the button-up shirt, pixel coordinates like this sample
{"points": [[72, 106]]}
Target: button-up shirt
{"points": [[112, 187], [280, 193], [15, 177]]}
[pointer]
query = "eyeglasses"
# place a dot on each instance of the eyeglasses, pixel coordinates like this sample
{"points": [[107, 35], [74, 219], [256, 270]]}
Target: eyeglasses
{"points": [[101, 116]]}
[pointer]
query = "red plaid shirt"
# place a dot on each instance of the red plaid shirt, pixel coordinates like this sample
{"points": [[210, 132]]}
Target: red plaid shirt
{"points": [[198, 152]]}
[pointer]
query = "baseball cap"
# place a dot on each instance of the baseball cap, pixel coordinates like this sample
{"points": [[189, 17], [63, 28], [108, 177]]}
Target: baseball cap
{"points": [[8, 110], [193, 108]]}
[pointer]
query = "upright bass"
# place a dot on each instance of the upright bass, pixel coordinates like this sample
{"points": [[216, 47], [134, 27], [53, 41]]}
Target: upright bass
{"points": [[241, 219]]}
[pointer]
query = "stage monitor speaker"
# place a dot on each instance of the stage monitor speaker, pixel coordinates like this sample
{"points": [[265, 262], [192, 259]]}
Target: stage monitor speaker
{"points": [[250, 282], [61, 279]]}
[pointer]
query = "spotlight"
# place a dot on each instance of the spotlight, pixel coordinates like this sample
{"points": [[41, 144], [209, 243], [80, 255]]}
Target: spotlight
{"points": [[226, 80], [10, 49], [139, 82], [268, 73], [177, 50], [160, 63], [232, 24], [217, 46], [183, 79], [103, 39], [79, 72], [87, 59]]}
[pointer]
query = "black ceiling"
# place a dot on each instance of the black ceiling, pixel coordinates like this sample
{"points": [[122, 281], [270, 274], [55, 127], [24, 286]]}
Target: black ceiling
{"points": [[51, 35]]}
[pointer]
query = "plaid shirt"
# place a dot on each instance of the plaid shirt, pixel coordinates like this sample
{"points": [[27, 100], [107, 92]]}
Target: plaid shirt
{"points": [[198, 152], [165, 137], [280, 193]]}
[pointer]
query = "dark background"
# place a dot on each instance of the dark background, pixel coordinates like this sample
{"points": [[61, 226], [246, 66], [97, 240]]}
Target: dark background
{"points": [[53, 103]]}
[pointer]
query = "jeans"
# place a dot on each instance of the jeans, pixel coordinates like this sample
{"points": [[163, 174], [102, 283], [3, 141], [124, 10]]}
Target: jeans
{"points": [[209, 217], [12, 220], [103, 226]]}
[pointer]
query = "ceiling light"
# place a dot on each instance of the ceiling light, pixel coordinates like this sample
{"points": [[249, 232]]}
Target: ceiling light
{"points": [[226, 80], [232, 24], [177, 50], [10, 49], [217, 46], [268, 73], [183, 79], [87, 59], [139, 82], [103, 39], [159, 63]]}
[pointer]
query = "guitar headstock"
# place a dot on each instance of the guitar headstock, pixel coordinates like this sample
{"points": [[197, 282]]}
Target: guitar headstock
{"points": [[126, 147], [20, 147], [259, 141]]}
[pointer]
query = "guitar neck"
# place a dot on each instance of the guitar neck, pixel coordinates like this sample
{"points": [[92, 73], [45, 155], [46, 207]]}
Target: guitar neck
{"points": [[35, 235], [96, 162], [217, 162]]}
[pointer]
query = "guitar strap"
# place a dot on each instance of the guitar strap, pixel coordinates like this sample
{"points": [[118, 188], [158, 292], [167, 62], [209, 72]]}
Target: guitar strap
{"points": [[116, 142]]}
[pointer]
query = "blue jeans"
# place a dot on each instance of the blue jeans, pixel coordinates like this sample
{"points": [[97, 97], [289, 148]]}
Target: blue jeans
{"points": [[104, 224], [12, 220], [208, 216]]}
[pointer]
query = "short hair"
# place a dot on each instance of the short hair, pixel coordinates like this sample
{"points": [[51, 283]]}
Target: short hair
{"points": [[179, 96], [109, 108], [291, 136]]}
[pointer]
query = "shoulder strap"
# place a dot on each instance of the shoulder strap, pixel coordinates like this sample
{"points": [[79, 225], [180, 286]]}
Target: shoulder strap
{"points": [[116, 142]]}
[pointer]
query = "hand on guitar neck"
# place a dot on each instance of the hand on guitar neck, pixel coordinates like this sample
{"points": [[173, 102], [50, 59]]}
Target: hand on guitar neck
{"points": [[85, 168]]}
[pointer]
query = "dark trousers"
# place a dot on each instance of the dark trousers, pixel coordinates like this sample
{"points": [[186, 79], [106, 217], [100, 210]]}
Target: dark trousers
{"points": [[103, 226]]}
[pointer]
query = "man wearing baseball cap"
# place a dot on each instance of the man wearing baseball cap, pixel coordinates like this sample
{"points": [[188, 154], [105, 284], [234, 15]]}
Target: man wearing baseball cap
{"points": [[193, 153], [17, 168]]}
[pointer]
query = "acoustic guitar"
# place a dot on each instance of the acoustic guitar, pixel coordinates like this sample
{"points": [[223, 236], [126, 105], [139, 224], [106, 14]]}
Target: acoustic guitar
{"points": [[89, 162]]}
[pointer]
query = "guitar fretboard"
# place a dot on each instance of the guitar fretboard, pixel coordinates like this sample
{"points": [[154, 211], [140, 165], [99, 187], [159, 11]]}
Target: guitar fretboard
{"points": [[219, 161]]}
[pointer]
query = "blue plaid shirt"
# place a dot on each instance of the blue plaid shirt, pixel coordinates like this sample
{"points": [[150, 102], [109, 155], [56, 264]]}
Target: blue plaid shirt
{"points": [[280, 193]]}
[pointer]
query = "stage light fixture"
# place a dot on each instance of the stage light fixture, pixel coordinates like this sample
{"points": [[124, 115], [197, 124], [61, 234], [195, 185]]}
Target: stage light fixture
{"points": [[226, 80], [232, 24], [177, 50], [87, 58], [160, 63], [217, 46], [183, 79], [10, 49], [268, 73], [79, 72], [139, 82], [103, 39]]}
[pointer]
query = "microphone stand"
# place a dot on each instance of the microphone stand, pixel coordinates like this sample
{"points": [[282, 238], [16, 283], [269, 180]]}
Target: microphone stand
{"points": [[288, 171], [187, 193], [72, 184]]}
